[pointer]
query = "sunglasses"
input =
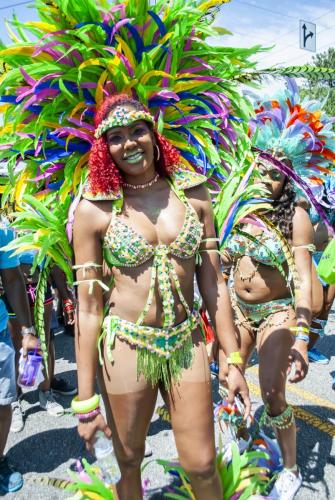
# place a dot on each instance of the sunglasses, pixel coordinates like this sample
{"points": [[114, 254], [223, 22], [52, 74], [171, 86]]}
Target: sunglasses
{"points": [[273, 173]]}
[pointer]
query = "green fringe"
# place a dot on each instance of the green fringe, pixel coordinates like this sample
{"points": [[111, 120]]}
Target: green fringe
{"points": [[39, 311], [157, 369]]}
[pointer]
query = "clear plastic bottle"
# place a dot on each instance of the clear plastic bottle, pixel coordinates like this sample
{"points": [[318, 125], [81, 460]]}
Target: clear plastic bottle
{"points": [[106, 459]]}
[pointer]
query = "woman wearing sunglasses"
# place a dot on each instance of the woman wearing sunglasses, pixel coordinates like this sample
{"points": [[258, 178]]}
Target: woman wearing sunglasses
{"points": [[270, 261]]}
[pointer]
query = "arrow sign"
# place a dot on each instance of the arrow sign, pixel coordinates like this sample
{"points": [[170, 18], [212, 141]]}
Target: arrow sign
{"points": [[307, 36]]}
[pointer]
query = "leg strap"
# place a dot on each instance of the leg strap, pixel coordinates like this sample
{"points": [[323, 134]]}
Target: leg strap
{"points": [[282, 421]]}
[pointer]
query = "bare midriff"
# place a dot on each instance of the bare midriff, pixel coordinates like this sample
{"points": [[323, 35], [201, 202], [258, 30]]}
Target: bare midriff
{"points": [[265, 283], [129, 294]]}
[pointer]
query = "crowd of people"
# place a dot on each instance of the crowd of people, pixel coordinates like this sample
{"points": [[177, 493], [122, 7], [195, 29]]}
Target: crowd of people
{"points": [[152, 217]]}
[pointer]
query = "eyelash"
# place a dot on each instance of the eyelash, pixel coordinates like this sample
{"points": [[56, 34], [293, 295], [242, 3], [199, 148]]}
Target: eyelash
{"points": [[116, 138]]}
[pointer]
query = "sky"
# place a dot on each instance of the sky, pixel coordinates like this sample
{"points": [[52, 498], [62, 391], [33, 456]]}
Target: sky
{"points": [[252, 22]]}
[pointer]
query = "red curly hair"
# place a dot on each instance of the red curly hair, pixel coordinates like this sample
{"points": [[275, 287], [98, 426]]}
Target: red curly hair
{"points": [[104, 176]]}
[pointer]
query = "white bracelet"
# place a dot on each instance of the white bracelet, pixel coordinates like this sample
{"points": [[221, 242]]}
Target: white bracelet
{"points": [[28, 330]]}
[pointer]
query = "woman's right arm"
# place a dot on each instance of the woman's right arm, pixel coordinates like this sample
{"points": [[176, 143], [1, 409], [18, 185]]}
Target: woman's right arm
{"points": [[87, 250], [88, 260]]}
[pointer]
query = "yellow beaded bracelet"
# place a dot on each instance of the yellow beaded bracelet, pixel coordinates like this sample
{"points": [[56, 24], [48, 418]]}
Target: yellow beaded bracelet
{"points": [[234, 358], [85, 406], [299, 329]]}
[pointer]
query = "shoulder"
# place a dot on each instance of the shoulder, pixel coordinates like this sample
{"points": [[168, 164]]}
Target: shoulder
{"points": [[191, 183], [93, 216], [86, 208], [303, 231]]}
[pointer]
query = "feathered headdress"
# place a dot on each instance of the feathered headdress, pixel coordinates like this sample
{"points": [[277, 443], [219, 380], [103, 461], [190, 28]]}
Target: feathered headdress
{"points": [[87, 50], [287, 127]]}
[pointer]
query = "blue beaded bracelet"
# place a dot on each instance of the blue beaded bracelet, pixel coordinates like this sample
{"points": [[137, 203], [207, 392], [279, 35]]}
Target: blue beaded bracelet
{"points": [[303, 337]]}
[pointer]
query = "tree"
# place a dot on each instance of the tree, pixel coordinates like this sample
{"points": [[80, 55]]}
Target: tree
{"points": [[322, 89]]}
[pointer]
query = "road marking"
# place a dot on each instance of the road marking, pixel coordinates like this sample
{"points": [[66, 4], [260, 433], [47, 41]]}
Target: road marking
{"points": [[310, 418], [293, 389], [306, 416]]}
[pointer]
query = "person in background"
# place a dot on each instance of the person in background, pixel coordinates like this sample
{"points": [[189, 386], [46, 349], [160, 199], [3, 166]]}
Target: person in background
{"points": [[64, 313], [50, 383], [14, 286], [323, 295]]}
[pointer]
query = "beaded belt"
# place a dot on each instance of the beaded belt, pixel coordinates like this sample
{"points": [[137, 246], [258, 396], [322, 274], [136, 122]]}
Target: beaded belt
{"points": [[161, 352]]}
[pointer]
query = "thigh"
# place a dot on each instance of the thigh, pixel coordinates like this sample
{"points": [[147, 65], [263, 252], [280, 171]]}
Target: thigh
{"points": [[191, 408], [129, 399], [245, 334], [274, 342]]}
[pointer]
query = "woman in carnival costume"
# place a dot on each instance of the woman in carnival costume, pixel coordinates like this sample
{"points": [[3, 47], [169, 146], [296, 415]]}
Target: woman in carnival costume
{"points": [[270, 255], [150, 240]]}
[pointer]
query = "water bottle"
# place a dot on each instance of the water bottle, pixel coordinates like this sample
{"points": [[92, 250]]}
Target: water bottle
{"points": [[30, 369], [106, 459]]}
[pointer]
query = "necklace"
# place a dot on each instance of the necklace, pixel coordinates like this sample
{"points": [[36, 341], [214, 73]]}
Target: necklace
{"points": [[142, 186]]}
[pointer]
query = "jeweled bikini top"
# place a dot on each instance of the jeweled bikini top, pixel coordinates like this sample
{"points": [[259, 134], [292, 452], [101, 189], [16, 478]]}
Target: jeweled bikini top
{"points": [[124, 247], [264, 251]]}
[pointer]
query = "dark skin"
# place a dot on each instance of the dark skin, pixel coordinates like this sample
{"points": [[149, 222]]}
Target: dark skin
{"points": [[277, 349], [158, 215], [13, 284]]}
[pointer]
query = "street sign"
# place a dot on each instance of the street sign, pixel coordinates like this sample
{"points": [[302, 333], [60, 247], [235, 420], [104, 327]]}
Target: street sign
{"points": [[307, 35]]}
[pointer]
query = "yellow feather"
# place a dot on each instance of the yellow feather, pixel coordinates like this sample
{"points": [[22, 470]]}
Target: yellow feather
{"points": [[77, 107], [99, 94], [39, 233], [90, 494], [91, 62], [186, 86], [178, 144], [12, 34], [46, 27], [3, 108], [78, 170], [126, 50], [20, 187], [198, 137], [26, 50], [51, 124], [212, 3], [149, 74], [10, 128]]}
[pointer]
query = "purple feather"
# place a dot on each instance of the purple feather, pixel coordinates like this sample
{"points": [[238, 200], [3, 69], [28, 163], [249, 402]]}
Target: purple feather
{"points": [[122, 58], [28, 78]]}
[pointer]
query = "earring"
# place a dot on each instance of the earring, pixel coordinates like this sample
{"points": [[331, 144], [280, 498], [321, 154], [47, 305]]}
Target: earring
{"points": [[159, 152]]}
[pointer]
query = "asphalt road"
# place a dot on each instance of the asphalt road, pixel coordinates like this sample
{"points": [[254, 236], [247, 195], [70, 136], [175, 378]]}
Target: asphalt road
{"points": [[49, 446]]}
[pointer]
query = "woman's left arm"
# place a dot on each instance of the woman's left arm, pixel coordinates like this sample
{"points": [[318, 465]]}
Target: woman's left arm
{"points": [[302, 241], [214, 292]]}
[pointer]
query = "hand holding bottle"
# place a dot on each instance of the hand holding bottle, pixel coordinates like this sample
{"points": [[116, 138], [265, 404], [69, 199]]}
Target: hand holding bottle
{"points": [[87, 430]]}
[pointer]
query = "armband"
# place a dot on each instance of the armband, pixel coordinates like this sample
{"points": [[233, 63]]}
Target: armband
{"points": [[86, 266], [91, 283]]}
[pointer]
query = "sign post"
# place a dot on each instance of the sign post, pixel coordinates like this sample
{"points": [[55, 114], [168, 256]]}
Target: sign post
{"points": [[307, 36]]}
